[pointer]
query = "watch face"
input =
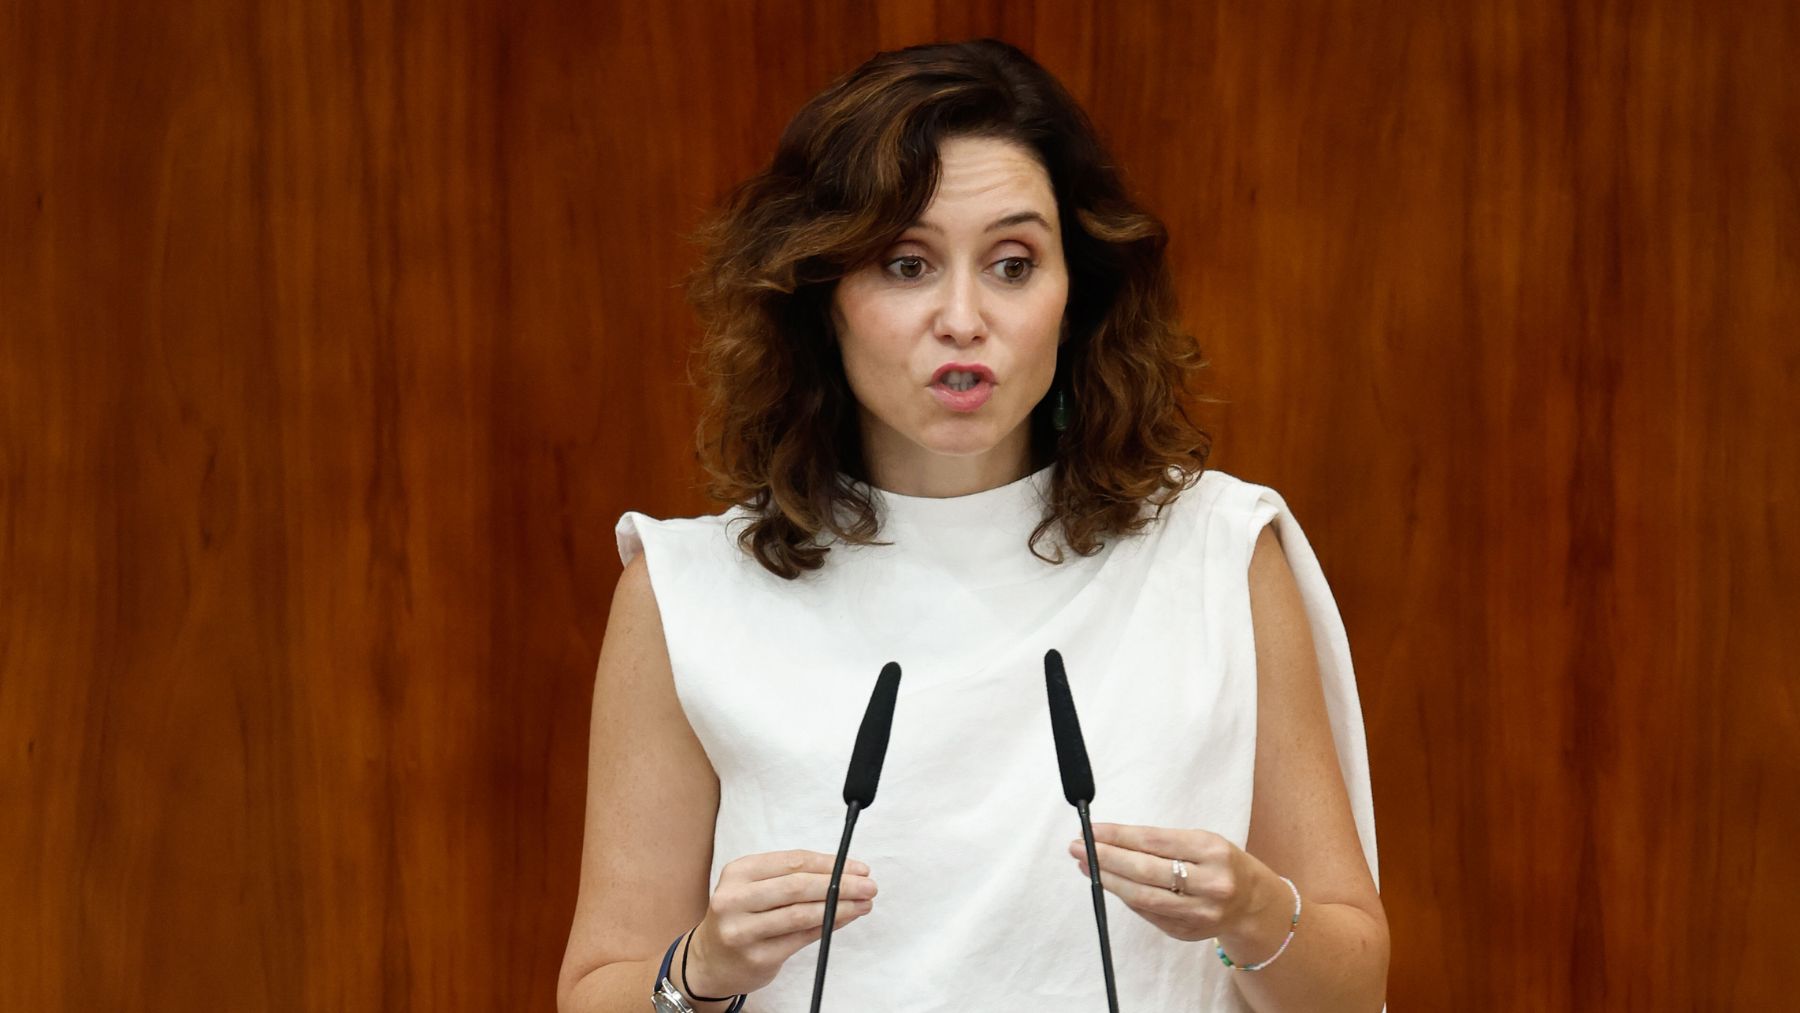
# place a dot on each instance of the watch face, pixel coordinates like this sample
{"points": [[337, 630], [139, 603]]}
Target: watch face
{"points": [[667, 1000]]}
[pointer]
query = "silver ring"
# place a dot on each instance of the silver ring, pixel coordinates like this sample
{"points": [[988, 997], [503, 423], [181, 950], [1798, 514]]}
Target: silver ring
{"points": [[1177, 876]]}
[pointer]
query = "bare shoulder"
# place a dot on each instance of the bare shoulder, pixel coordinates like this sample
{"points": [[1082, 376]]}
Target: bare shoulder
{"points": [[1291, 718], [634, 625], [1274, 594], [634, 654], [635, 581], [634, 596], [634, 681]]}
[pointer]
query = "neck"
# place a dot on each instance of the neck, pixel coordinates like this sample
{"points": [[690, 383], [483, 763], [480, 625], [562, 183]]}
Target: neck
{"points": [[914, 471]]}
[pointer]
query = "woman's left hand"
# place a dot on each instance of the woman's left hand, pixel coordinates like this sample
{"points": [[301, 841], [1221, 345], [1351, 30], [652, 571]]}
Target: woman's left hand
{"points": [[1226, 890]]}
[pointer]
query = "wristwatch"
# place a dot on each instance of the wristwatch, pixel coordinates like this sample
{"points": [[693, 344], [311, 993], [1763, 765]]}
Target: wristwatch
{"points": [[666, 998]]}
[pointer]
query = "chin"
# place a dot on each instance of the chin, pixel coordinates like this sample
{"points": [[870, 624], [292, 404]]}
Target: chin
{"points": [[958, 450], [960, 440]]}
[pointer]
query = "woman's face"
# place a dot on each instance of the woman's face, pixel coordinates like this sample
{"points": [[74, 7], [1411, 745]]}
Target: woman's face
{"points": [[949, 338]]}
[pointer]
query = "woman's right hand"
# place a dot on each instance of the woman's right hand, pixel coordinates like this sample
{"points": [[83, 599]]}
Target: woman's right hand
{"points": [[767, 907]]}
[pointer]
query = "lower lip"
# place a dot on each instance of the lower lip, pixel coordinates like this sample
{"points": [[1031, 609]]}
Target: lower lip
{"points": [[963, 400]]}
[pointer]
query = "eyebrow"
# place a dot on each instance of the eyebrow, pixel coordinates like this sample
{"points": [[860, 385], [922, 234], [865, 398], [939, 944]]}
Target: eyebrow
{"points": [[1003, 222]]}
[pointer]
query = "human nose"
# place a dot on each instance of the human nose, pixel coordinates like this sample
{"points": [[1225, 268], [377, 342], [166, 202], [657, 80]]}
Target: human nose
{"points": [[959, 317]]}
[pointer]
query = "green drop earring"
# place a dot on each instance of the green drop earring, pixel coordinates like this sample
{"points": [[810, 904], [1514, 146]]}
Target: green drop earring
{"points": [[1059, 405]]}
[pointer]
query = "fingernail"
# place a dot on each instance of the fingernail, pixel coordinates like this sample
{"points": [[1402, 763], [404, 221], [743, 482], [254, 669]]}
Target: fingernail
{"points": [[859, 868]]}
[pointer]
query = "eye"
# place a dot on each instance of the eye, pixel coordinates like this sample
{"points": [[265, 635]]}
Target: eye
{"points": [[1017, 269], [909, 268]]}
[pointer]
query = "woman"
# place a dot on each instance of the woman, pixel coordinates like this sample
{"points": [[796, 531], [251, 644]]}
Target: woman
{"points": [[946, 380]]}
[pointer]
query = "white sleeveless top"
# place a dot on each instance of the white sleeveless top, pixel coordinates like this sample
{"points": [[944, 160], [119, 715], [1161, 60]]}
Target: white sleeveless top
{"points": [[981, 906]]}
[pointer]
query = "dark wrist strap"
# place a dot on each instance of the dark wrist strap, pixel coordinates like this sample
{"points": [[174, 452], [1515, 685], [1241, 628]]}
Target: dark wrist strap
{"points": [[662, 973], [737, 1001]]}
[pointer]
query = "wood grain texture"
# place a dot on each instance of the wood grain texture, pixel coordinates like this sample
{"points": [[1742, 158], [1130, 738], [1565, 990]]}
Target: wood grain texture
{"points": [[335, 336]]}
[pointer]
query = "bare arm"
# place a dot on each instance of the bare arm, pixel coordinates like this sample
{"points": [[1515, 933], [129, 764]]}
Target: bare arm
{"points": [[652, 798], [1301, 826]]}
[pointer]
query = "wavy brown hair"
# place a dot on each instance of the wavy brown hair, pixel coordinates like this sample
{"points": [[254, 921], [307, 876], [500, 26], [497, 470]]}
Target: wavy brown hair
{"points": [[855, 167]]}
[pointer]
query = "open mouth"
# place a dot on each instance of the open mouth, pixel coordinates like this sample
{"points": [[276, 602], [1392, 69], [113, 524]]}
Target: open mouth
{"points": [[962, 387], [961, 375], [960, 380]]}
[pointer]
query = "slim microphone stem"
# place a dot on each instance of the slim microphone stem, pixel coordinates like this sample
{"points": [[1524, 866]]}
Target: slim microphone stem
{"points": [[831, 901], [1093, 857]]}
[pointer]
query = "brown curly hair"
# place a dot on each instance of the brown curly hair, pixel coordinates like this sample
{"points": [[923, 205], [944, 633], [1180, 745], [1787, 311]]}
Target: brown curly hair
{"points": [[855, 167]]}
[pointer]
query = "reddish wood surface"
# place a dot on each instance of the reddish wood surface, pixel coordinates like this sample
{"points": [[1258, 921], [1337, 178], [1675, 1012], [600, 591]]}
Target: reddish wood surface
{"points": [[335, 336]]}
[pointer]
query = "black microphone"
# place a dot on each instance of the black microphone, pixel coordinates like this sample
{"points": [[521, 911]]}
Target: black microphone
{"points": [[1078, 788], [859, 794], [872, 740]]}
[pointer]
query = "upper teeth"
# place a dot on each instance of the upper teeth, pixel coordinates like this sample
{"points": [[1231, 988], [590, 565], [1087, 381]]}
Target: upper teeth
{"points": [[959, 380]]}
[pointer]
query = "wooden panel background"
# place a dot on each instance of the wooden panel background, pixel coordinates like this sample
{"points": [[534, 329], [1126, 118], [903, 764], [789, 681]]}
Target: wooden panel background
{"points": [[334, 337]]}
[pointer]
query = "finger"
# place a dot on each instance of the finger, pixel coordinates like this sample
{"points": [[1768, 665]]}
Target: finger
{"points": [[795, 888], [1178, 928], [781, 863], [799, 917], [1150, 870], [1188, 845], [846, 914], [786, 946], [1182, 916], [781, 948], [1146, 900]]}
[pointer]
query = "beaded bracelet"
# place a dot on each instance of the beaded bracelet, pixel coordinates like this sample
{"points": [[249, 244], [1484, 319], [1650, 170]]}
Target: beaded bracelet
{"points": [[1284, 943]]}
